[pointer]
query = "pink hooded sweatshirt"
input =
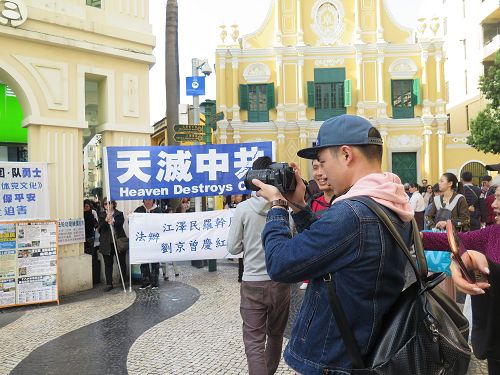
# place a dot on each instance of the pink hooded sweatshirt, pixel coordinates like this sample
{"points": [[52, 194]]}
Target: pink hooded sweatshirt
{"points": [[385, 189]]}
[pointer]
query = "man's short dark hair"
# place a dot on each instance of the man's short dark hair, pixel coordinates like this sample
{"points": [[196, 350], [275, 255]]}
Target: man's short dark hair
{"points": [[413, 185], [370, 152], [262, 162], [486, 178], [467, 176]]}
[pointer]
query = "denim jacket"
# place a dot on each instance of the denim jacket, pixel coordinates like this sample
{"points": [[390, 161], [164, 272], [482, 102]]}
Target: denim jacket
{"points": [[367, 269]]}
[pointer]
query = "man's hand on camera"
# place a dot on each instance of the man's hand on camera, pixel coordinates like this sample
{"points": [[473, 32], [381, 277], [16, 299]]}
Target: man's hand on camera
{"points": [[269, 192], [297, 196]]}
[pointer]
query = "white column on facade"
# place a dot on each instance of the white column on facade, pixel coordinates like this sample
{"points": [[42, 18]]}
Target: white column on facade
{"points": [[426, 106], [427, 149], [380, 78], [437, 58], [440, 103], [221, 75], [357, 29], [300, 32], [236, 107], [380, 86], [380, 29], [301, 83], [441, 134], [222, 128], [279, 89], [359, 97], [277, 27]]}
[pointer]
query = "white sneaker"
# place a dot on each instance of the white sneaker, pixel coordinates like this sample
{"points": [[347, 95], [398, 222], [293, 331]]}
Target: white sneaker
{"points": [[303, 286]]}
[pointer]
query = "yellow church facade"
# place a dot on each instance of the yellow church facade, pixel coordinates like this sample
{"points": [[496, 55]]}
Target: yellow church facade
{"points": [[314, 59]]}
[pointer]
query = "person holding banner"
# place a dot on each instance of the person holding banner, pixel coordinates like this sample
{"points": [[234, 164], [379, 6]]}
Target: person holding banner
{"points": [[264, 303], [149, 271], [111, 216]]}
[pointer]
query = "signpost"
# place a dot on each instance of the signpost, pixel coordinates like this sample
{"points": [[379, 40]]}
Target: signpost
{"points": [[188, 137], [188, 128]]}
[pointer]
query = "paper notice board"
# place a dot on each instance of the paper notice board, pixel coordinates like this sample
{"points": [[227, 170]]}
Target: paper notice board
{"points": [[28, 263]]}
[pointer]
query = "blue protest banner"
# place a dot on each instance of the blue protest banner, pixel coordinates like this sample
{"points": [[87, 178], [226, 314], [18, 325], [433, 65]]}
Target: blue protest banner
{"points": [[139, 172], [195, 86]]}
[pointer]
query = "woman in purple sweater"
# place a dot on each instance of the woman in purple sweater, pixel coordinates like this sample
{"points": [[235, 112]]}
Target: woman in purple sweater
{"points": [[484, 256]]}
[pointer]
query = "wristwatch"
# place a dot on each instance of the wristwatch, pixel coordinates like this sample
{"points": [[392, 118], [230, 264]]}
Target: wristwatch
{"points": [[280, 203]]}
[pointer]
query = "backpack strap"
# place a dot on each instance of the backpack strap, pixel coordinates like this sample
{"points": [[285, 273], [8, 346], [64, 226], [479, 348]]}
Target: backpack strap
{"points": [[420, 273], [451, 205], [437, 202]]}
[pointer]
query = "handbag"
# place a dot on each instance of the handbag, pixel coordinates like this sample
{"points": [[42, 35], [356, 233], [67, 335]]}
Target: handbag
{"points": [[423, 333], [122, 244]]}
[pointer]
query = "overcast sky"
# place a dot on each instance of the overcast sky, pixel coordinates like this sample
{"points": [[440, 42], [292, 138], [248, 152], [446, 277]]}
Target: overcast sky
{"points": [[199, 22]]}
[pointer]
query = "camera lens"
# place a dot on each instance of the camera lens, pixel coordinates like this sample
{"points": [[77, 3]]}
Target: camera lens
{"points": [[261, 175]]}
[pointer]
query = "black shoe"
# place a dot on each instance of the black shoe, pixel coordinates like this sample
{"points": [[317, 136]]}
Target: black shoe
{"points": [[144, 286], [165, 278], [108, 288], [176, 274]]}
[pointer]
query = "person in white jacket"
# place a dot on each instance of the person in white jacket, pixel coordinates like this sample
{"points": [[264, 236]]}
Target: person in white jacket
{"points": [[264, 303]]}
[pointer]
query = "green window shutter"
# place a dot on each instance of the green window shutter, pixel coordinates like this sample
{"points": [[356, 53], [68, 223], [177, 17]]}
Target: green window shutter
{"points": [[271, 102], [327, 75], [310, 94], [244, 97], [416, 91], [347, 93]]}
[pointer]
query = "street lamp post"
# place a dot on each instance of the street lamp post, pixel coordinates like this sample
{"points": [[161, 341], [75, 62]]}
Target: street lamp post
{"points": [[200, 64]]}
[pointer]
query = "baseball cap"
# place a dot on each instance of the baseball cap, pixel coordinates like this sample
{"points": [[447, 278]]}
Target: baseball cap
{"points": [[341, 130], [493, 167]]}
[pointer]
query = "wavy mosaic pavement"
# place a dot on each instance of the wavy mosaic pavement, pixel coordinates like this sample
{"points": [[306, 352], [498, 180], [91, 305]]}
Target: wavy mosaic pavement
{"points": [[102, 347], [38, 326], [189, 326]]}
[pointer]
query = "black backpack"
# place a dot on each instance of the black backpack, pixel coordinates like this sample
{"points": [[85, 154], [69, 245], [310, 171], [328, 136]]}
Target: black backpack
{"points": [[423, 333]]}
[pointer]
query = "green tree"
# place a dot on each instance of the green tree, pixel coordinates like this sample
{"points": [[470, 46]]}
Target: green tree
{"points": [[485, 128]]}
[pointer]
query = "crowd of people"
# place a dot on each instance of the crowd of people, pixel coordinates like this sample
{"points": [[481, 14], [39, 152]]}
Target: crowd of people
{"points": [[341, 238], [103, 221], [320, 233]]}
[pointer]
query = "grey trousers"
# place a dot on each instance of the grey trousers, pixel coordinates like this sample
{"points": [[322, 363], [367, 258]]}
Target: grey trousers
{"points": [[264, 309]]}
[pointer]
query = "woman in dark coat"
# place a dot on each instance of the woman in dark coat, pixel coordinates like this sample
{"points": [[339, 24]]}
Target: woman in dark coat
{"points": [[109, 217]]}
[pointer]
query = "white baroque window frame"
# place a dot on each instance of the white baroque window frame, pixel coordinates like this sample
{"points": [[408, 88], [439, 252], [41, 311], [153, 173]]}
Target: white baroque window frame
{"points": [[403, 69], [257, 73]]}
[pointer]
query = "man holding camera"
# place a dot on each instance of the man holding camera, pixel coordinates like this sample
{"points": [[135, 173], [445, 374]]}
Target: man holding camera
{"points": [[347, 243], [264, 303]]}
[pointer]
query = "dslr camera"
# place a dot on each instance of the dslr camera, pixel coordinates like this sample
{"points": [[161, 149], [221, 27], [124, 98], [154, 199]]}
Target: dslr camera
{"points": [[280, 175]]}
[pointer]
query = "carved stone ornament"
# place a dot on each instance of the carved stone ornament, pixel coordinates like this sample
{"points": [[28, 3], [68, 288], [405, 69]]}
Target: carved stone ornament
{"points": [[13, 13], [403, 68], [405, 141], [329, 62], [257, 73], [328, 20]]}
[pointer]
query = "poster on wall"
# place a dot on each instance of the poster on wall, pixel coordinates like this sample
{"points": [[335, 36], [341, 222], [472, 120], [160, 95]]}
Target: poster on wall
{"points": [[7, 292], [28, 263], [7, 250], [71, 231], [24, 193]]}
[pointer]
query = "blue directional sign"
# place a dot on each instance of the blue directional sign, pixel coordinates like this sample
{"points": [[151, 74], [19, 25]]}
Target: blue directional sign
{"points": [[195, 86]]}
